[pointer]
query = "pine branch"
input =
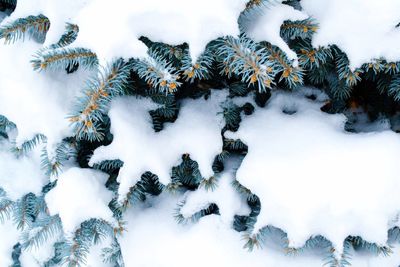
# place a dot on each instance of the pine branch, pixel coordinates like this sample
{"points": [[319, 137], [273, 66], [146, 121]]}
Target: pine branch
{"points": [[135, 194], [5, 126], [345, 73], [29, 145], [41, 231], [61, 58], [35, 27], [113, 254], [25, 211], [198, 70], [394, 87], [158, 73], [93, 105], [70, 35], [187, 173], [11, 2], [64, 151], [303, 29], [210, 208], [242, 57], [312, 58], [255, 4], [108, 165], [293, 76], [6, 209], [359, 244], [91, 232]]}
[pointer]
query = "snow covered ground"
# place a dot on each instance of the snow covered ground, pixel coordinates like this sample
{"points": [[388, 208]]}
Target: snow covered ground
{"points": [[311, 176], [154, 239]]}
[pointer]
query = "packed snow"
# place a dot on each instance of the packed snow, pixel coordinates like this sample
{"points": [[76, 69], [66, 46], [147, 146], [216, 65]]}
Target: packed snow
{"points": [[170, 21], [36, 102], [80, 195], [153, 238], [313, 177], [20, 175], [196, 132], [364, 30]]}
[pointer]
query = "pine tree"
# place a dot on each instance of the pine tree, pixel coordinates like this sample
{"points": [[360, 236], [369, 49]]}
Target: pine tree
{"points": [[168, 76]]}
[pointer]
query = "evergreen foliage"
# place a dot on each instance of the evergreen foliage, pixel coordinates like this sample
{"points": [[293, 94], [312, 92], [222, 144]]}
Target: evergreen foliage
{"points": [[94, 104], [61, 58], [168, 75], [34, 27]]}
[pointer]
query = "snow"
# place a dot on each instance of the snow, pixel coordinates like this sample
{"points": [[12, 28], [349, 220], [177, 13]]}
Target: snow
{"points": [[265, 23], [36, 102], [141, 149], [13, 173], [313, 178], [154, 239], [170, 21], [8, 237], [364, 30], [225, 196], [80, 195], [36, 257]]}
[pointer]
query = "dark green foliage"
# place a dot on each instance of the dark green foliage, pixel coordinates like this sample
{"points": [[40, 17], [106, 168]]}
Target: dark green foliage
{"points": [[361, 245], [235, 146], [238, 89], [187, 173], [16, 253], [231, 113], [151, 184], [394, 87], [302, 29], [109, 166], [147, 185], [70, 35], [262, 98], [168, 112], [8, 6], [296, 4]]}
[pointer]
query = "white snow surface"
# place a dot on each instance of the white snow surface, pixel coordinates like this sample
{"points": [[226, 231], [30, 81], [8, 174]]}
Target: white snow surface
{"points": [[363, 29], [22, 175], [314, 178], [197, 132], [154, 239], [80, 195], [36, 102], [265, 23], [113, 30]]}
